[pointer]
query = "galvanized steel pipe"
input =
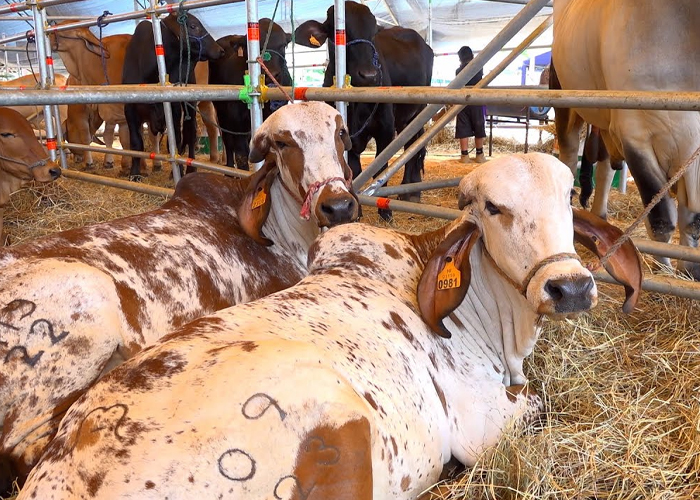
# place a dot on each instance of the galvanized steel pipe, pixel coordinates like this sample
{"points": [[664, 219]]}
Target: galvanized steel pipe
{"points": [[340, 56], [499, 41], [415, 187], [253, 40], [139, 187]]}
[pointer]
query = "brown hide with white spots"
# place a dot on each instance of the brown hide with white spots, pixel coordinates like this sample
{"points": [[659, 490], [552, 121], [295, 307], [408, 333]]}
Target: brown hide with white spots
{"points": [[76, 304], [22, 158], [335, 388]]}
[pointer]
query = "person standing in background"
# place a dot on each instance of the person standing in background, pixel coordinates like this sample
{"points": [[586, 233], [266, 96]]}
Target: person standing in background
{"points": [[471, 120]]}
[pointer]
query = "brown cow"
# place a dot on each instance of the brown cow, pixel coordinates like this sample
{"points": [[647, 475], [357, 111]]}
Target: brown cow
{"points": [[22, 158]]}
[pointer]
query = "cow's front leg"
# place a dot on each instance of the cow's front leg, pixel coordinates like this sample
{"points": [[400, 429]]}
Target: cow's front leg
{"points": [[135, 138]]}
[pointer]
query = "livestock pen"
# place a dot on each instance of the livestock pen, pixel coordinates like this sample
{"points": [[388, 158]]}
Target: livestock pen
{"points": [[621, 415]]}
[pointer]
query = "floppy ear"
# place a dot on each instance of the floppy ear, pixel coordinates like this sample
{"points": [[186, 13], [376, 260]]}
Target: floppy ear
{"points": [[311, 34], [624, 265], [94, 46], [259, 147], [255, 206], [445, 279]]}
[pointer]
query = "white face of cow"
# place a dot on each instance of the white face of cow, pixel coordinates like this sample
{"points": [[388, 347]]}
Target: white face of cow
{"points": [[307, 141], [521, 204]]}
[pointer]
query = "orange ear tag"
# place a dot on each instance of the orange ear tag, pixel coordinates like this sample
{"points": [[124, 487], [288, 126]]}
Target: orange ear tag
{"points": [[449, 277], [313, 41], [259, 200]]}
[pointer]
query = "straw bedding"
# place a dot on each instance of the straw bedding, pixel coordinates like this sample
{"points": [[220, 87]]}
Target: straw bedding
{"points": [[622, 417]]}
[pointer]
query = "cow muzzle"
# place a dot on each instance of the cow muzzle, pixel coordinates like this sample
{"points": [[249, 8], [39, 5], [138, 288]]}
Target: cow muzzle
{"points": [[333, 209], [562, 288]]}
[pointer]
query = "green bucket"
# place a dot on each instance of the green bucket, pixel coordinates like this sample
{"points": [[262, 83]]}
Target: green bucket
{"points": [[203, 144]]}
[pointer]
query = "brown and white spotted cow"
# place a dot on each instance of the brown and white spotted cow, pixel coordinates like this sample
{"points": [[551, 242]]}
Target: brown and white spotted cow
{"points": [[76, 304], [22, 159], [361, 381]]}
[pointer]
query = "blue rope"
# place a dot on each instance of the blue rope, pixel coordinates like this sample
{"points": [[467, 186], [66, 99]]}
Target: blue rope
{"points": [[101, 23], [376, 64]]}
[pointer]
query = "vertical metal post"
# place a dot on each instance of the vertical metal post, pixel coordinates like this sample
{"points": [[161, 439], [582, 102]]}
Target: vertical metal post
{"points": [[163, 78], [256, 117], [340, 58], [511, 29], [623, 178], [429, 37], [52, 81], [39, 36]]}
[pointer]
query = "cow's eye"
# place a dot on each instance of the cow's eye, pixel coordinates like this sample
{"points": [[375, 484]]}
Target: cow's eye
{"points": [[492, 209], [193, 27], [342, 133], [7, 134], [280, 144]]}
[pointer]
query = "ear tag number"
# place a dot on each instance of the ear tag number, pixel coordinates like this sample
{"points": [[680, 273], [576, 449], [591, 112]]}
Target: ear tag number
{"points": [[449, 277], [259, 199], [313, 41]]}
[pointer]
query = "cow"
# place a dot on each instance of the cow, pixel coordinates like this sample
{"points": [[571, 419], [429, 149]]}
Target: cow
{"points": [[140, 67], [91, 62], [122, 284], [375, 58], [234, 116], [208, 113], [395, 354], [22, 159], [80, 126], [591, 50], [35, 114]]}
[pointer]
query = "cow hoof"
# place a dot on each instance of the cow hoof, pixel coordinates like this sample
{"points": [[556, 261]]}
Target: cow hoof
{"points": [[89, 167], [136, 177], [692, 269], [410, 197], [157, 167], [109, 165], [386, 214]]}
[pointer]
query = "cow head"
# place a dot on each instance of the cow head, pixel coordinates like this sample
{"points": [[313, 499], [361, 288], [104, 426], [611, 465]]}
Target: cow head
{"points": [[21, 155], [71, 43], [302, 145], [518, 206], [202, 46], [363, 60], [276, 63]]}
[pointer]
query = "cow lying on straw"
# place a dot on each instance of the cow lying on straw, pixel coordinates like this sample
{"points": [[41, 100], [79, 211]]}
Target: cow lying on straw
{"points": [[22, 159], [76, 304], [394, 354]]}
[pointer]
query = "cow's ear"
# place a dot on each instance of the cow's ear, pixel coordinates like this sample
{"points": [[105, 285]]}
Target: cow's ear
{"points": [[94, 46], [624, 265], [311, 34], [446, 277], [255, 205], [259, 147]]}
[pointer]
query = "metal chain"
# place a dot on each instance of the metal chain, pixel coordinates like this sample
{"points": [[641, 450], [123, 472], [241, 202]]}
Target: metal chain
{"points": [[627, 234]]}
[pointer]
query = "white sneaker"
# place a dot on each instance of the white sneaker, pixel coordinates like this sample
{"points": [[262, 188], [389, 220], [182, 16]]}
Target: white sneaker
{"points": [[465, 159], [480, 158]]}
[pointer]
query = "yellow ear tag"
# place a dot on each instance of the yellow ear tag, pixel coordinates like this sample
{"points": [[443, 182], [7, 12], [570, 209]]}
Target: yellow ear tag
{"points": [[449, 277], [240, 51], [313, 41], [259, 200]]}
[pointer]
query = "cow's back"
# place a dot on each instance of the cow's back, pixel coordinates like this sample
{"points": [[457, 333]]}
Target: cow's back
{"points": [[406, 55]]}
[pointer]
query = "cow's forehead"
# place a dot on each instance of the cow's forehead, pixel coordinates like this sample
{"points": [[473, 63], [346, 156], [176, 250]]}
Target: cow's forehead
{"points": [[519, 177], [305, 116]]}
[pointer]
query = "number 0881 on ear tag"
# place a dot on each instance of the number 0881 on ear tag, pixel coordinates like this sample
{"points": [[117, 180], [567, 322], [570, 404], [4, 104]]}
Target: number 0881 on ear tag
{"points": [[449, 277]]}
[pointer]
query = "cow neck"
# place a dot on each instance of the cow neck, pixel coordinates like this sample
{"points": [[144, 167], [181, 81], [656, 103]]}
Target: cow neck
{"points": [[285, 227], [504, 324]]}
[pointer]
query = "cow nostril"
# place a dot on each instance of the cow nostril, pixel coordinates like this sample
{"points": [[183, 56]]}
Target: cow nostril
{"points": [[553, 289], [55, 173], [368, 74]]}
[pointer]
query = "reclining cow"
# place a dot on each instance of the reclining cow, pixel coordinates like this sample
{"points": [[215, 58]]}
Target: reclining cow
{"points": [[76, 304], [22, 159], [394, 354]]}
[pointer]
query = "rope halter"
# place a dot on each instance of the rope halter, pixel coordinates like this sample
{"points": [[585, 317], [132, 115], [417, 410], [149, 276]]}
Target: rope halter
{"points": [[376, 64], [522, 287], [305, 212], [31, 166]]}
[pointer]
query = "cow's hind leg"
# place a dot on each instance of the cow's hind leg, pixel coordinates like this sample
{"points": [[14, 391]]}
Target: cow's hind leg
{"points": [[135, 138], [689, 228], [661, 222]]}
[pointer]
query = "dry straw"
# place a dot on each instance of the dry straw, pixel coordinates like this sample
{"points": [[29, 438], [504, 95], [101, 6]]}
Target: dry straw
{"points": [[622, 417]]}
